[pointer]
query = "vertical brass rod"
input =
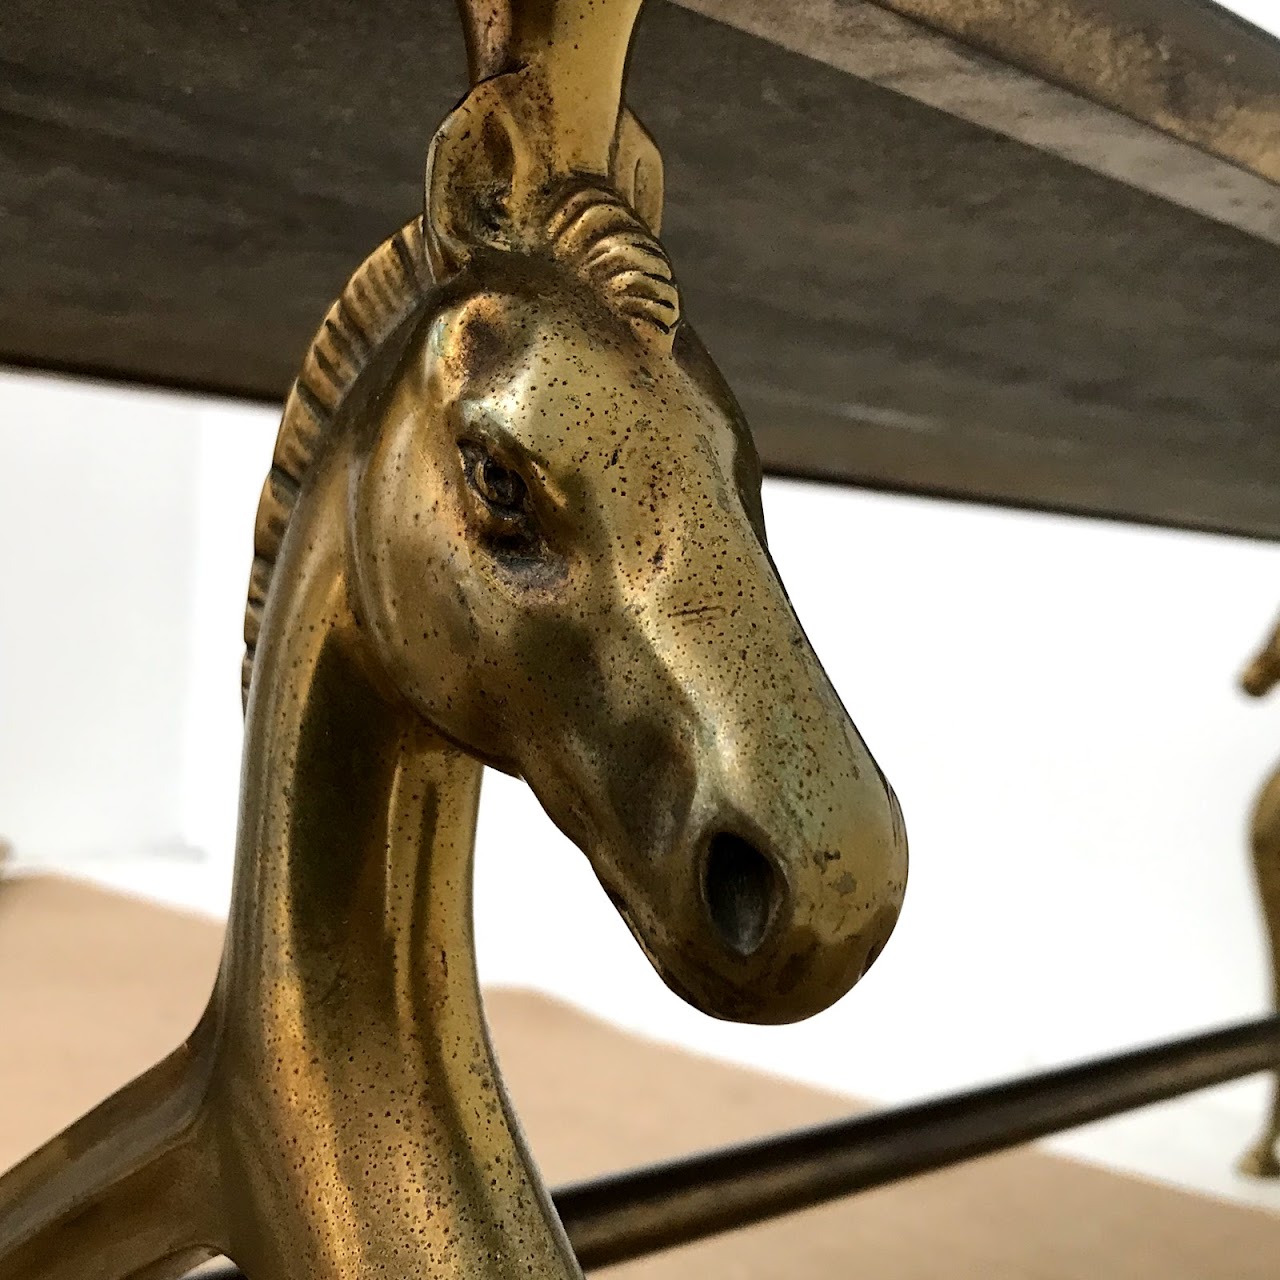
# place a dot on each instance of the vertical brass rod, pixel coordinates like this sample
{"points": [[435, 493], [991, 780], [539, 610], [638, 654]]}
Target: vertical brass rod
{"points": [[628, 1215]]}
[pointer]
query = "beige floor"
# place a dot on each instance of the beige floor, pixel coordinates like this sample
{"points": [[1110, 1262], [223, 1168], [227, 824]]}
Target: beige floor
{"points": [[94, 987]]}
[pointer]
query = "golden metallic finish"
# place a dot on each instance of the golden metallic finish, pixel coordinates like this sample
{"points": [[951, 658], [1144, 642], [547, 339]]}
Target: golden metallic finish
{"points": [[1262, 1160], [513, 519]]}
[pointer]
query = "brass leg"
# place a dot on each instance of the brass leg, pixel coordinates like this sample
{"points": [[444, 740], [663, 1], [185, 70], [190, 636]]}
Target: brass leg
{"points": [[127, 1193], [1262, 1160]]}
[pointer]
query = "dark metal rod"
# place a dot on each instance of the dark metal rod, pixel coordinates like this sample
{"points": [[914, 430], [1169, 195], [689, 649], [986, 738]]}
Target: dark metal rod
{"points": [[626, 1215], [641, 1211]]}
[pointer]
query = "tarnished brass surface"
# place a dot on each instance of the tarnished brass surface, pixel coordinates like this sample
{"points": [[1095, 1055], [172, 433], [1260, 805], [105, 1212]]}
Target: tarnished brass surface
{"points": [[513, 519], [1262, 1160], [631, 1214]]}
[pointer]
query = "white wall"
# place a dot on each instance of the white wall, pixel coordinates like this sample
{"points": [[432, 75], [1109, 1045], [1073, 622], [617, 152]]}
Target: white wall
{"points": [[1262, 13], [96, 544], [235, 443]]}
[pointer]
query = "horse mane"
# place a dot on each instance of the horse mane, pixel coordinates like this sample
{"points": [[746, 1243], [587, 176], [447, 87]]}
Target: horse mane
{"points": [[592, 231], [596, 233], [388, 285]]}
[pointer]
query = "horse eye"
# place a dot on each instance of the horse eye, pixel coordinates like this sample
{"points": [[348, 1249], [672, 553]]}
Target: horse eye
{"points": [[499, 486]]}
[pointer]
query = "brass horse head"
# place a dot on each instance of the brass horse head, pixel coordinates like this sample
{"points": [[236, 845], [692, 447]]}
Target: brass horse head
{"points": [[557, 557], [513, 518]]}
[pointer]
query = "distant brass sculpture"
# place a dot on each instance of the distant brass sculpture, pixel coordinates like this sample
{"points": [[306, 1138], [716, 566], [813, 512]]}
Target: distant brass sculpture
{"points": [[513, 519], [1262, 1160]]}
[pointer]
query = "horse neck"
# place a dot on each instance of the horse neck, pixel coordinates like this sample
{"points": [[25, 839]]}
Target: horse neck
{"points": [[352, 1040]]}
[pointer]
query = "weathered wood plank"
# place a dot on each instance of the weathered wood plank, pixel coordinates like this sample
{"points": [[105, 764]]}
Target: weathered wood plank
{"points": [[902, 297], [1180, 99]]}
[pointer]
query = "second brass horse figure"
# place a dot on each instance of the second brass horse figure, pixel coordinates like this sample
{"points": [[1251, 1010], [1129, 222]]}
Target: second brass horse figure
{"points": [[514, 520], [1262, 1160]]}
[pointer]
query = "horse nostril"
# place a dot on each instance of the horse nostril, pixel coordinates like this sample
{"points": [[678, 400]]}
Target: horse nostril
{"points": [[741, 888]]}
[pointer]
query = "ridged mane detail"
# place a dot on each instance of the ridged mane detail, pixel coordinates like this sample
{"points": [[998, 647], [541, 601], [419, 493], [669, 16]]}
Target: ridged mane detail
{"points": [[597, 234], [390, 283]]}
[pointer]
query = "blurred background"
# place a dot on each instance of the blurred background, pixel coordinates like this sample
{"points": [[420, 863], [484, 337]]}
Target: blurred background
{"points": [[1054, 699]]}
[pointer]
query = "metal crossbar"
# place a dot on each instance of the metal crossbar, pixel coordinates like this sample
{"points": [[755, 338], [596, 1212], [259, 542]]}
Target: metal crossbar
{"points": [[627, 1215]]}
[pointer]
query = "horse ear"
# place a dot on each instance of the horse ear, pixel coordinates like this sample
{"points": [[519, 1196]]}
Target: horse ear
{"points": [[637, 171], [503, 149], [473, 168]]}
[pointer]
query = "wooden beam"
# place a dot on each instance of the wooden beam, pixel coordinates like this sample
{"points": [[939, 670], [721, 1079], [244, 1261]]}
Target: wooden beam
{"points": [[904, 294]]}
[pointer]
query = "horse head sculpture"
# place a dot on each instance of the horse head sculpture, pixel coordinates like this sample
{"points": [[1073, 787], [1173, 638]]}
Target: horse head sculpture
{"points": [[513, 519]]}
